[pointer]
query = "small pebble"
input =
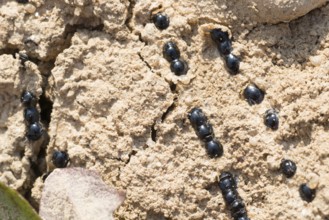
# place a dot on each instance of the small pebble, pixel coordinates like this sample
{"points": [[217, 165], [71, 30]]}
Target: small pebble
{"points": [[271, 119], [28, 99], [214, 148], [34, 131], [31, 115], [253, 95], [317, 60], [179, 67], [160, 21], [313, 181], [60, 159], [30, 8], [171, 51], [306, 192], [232, 63], [288, 168]]}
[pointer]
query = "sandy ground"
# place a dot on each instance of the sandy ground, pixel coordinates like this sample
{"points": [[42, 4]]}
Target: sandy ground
{"points": [[107, 97]]}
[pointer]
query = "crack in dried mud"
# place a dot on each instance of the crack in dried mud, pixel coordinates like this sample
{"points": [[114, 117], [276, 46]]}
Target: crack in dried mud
{"points": [[46, 104], [130, 12]]}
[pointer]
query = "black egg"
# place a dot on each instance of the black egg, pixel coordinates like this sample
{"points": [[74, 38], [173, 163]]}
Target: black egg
{"points": [[253, 95], [225, 48], [205, 131], [23, 58], [230, 196], [225, 175], [28, 99], [232, 63], [219, 36], [179, 67], [171, 51], [226, 182], [238, 208], [34, 131], [31, 115], [243, 217], [160, 21], [214, 148], [288, 168], [271, 119], [60, 159], [22, 1], [306, 192], [196, 117]]}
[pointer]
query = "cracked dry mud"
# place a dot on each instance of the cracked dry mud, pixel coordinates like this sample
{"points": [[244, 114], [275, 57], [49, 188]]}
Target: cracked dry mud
{"points": [[108, 98]]}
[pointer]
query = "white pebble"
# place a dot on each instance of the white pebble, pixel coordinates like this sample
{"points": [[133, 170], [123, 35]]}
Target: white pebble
{"points": [[317, 60], [30, 8]]}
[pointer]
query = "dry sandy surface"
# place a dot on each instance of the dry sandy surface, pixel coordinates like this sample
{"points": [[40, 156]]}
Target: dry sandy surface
{"points": [[107, 96]]}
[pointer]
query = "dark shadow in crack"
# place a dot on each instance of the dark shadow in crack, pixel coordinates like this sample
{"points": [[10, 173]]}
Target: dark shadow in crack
{"points": [[46, 106]]}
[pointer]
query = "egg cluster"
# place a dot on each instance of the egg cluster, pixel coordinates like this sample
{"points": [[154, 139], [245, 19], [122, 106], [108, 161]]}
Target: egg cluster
{"points": [[224, 45], [234, 202], [170, 50], [34, 128], [31, 117], [205, 132], [172, 54], [288, 168]]}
